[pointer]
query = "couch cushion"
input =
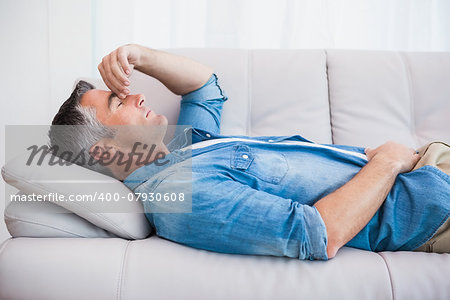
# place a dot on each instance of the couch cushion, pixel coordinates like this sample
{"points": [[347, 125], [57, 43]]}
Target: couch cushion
{"points": [[377, 96], [288, 94], [55, 268], [46, 219], [429, 75], [200, 274], [370, 99], [418, 275]]}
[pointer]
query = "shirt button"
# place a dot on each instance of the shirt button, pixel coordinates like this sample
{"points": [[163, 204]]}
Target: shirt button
{"points": [[208, 135], [270, 141], [244, 156]]}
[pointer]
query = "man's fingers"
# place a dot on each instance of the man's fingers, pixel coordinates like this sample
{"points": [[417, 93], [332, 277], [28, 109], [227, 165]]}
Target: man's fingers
{"points": [[117, 86], [116, 69], [105, 79], [104, 70], [102, 73]]}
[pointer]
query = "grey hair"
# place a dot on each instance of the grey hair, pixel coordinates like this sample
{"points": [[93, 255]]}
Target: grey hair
{"points": [[75, 129]]}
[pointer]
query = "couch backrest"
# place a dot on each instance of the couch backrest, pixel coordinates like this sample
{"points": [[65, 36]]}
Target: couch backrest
{"points": [[375, 96]]}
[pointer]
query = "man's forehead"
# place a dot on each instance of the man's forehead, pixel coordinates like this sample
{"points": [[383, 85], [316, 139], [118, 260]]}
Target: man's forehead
{"points": [[94, 96]]}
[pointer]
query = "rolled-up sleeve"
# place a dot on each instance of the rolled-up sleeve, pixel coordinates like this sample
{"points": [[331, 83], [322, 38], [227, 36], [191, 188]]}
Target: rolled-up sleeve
{"points": [[231, 217], [202, 108]]}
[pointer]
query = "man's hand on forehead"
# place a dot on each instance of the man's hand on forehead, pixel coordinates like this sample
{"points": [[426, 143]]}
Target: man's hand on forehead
{"points": [[116, 67]]}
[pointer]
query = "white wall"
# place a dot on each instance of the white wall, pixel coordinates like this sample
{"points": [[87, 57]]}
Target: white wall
{"points": [[45, 45]]}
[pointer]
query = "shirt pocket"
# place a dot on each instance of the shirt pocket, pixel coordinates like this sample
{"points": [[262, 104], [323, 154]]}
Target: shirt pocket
{"points": [[266, 165]]}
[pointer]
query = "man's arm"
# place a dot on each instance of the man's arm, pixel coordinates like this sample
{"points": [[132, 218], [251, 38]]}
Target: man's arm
{"points": [[179, 74], [348, 209]]}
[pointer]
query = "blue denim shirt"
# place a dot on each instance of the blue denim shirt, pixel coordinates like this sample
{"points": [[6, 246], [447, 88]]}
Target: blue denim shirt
{"points": [[256, 195]]}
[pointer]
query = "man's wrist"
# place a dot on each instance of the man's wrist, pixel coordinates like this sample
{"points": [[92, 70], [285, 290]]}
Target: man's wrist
{"points": [[145, 59]]}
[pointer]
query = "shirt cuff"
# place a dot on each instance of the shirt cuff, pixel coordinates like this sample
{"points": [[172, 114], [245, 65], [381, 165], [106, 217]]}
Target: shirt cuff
{"points": [[210, 90], [315, 245]]}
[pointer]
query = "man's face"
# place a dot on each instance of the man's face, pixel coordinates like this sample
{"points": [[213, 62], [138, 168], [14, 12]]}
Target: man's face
{"points": [[113, 111]]}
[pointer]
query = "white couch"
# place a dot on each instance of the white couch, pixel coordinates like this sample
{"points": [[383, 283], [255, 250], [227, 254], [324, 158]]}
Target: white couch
{"points": [[359, 98]]}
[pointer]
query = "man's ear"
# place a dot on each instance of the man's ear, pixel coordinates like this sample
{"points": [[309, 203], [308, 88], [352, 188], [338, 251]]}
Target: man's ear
{"points": [[101, 151]]}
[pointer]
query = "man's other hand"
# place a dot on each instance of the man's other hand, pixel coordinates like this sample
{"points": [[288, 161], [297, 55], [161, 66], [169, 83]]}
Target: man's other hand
{"points": [[348, 209], [402, 158], [116, 67]]}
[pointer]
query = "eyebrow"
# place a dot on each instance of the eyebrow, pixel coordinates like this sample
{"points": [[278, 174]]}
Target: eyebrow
{"points": [[111, 96]]}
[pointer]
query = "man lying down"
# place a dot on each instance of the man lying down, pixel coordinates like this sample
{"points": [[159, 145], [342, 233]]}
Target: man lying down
{"points": [[278, 195]]}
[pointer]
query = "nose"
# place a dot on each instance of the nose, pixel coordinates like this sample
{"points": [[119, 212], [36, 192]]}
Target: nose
{"points": [[139, 100]]}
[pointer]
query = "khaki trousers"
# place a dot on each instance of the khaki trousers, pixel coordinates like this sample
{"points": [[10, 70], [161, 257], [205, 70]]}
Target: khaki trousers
{"points": [[436, 154]]}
